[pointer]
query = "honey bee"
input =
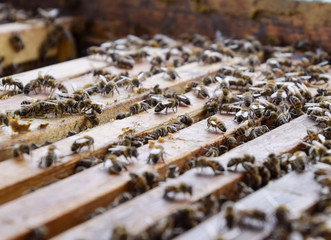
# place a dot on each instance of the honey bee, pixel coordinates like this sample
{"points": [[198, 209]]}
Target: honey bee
{"points": [[273, 164], [157, 60], [138, 184], [50, 158], [120, 233], [48, 15], [189, 86], [79, 143], [180, 188], [125, 62], [166, 104], [252, 219], [240, 160], [62, 88], [279, 96], [117, 166], [209, 57], [207, 80], [202, 91], [109, 87], [257, 109], [131, 82], [122, 115], [20, 149], [4, 118], [242, 115], [247, 98], [252, 175], [16, 42], [216, 123], [230, 217], [161, 132], [86, 163], [127, 151], [241, 130], [173, 171], [156, 154], [212, 152], [204, 162], [211, 107], [298, 161], [172, 74], [33, 85], [186, 120], [122, 198], [39, 233], [138, 107], [243, 190], [9, 81]]}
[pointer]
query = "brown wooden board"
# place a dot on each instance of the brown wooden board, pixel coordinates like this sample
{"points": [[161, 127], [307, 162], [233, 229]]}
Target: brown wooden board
{"points": [[32, 33]]}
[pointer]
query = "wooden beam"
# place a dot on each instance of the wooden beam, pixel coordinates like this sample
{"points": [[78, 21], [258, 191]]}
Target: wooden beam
{"points": [[91, 189], [298, 192], [58, 128], [33, 34], [296, 129]]}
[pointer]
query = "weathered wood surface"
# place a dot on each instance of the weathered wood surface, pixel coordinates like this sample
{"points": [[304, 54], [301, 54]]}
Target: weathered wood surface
{"points": [[58, 128], [298, 192], [32, 33], [99, 228]]}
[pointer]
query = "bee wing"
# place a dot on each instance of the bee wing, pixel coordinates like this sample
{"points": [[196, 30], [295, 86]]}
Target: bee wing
{"points": [[141, 76], [324, 63], [156, 150], [280, 79], [273, 95], [321, 138], [164, 101], [164, 69], [219, 79], [116, 148], [53, 13], [284, 95], [103, 78], [311, 104], [81, 140], [248, 131]]}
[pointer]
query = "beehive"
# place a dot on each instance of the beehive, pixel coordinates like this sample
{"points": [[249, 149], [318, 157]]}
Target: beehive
{"points": [[60, 202]]}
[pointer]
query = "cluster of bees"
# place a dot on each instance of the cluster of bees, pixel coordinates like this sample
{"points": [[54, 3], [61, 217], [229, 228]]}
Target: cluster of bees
{"points": [[259, 102]]}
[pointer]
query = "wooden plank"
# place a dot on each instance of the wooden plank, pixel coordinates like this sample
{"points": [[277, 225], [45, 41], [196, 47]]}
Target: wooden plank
{"points": [[298, 192], [32, 34], [58, 128], [98, 229], [91, 188], [151, 206], [24, 175]]}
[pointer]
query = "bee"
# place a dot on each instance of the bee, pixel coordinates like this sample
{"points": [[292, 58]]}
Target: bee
{"points": [[273, 164], [50, 158], [173, 171], [125, 62], [20, 149], [39, 233], [62, 88], [168, 103], [189, 86], [79, 143], [204, 162], [242, 115], [116, 165], [16, 42], [207, 80], [252, 175], [120, 233], [48, 15], [231, 142], [295, 102], [86, 163], [257, 109], [33, 85], [186, 120], [9, 81], [157, 60], [212, 152], [4, 118], [156, 154], [282, 119], [138, 184], [126, 151], [109, 87], [241, 130], [216, 123], [160, 132], [180, 188], [202, 91], [209, 57], [130, 82], [155, 70], [252, 219], [122, 115], [138, 107], [122, 198], [243, 190], [211, 107], [298, 161], [230, 217], [182, 99], [247, 98], [80, 95], [240, 160], [279, 96], [172, 74]]}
